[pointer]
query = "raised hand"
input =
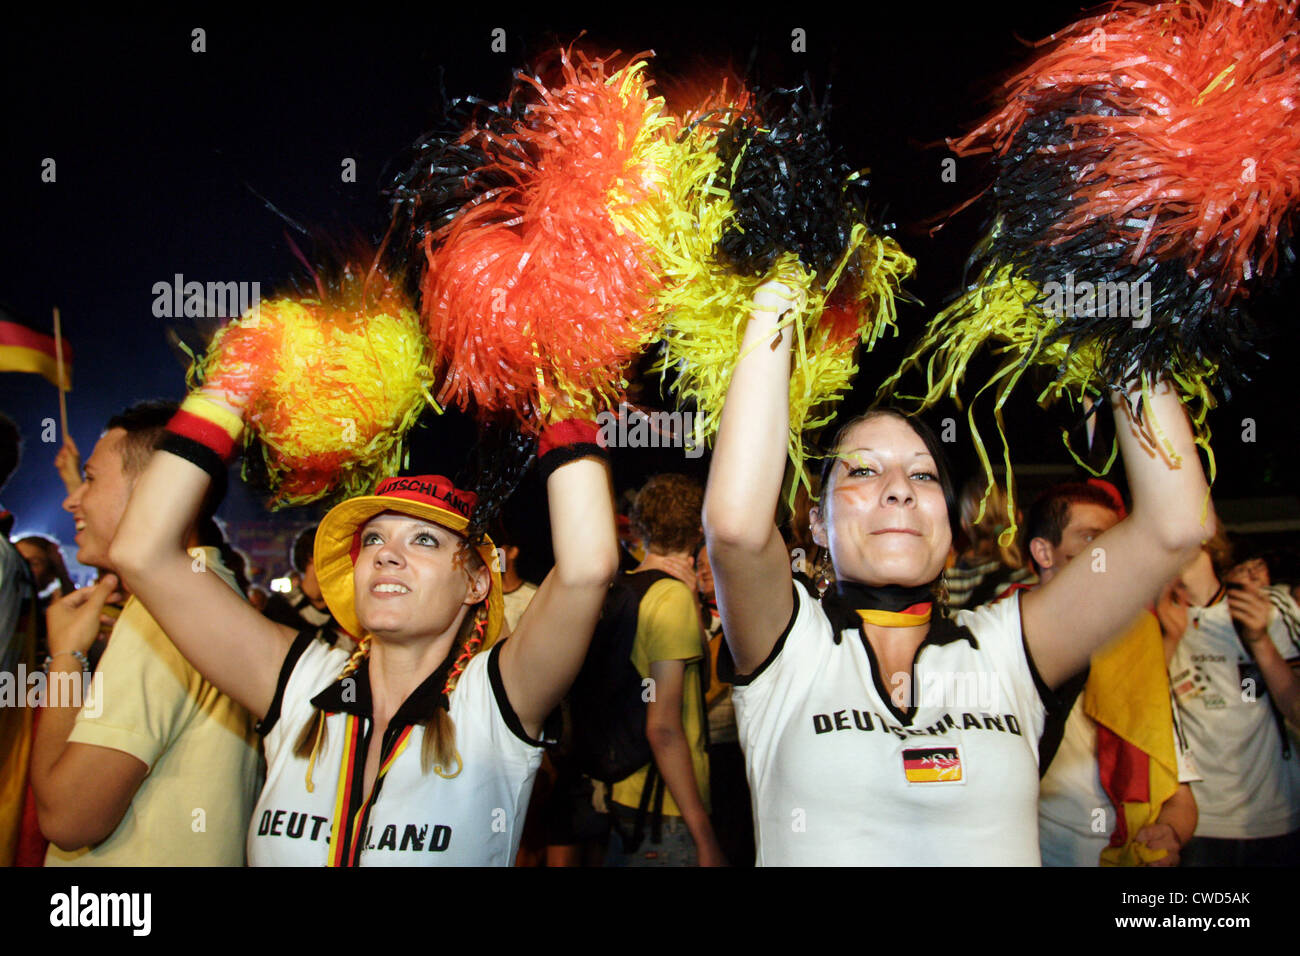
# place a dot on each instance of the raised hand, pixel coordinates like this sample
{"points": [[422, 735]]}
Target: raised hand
{"points": [[73, 620], [68, 464]]}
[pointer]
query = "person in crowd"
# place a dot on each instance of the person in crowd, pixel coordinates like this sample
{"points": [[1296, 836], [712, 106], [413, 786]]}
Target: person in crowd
{"points": [[807, 558], [732, 818], [986, 566], [19, 639], [631, 547], [669, 653], [45, 559], [1093, 809], [304, 605], [856, 751], [413, 749], [518, 592], [16, 582], [1255, 602], [1249, 797], [156, 766]]}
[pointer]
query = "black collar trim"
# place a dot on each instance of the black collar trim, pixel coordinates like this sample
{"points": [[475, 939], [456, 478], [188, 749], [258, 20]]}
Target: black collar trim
{"points": [[351, 695], [891, 597]]}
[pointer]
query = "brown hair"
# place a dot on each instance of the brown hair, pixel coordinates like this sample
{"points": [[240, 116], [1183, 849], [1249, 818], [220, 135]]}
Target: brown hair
{"points": [[984, 532], [438, 751], [1050, 513], [1220, 550], [666, 513], [144, 423]]}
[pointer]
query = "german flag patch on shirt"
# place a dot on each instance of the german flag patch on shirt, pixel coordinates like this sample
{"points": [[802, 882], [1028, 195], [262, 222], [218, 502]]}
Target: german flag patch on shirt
{"points": [[933, 765]]}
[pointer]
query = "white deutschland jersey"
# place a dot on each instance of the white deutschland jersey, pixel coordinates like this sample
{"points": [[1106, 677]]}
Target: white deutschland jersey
{"points": [[417, 819], [843, 775], [1248, 790]]}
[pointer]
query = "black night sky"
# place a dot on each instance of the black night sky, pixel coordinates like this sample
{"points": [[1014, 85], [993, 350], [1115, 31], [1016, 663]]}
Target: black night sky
{"points": [[161, 154]]}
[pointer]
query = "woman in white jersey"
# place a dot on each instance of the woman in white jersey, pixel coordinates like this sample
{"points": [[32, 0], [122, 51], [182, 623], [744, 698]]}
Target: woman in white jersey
{"points": [[875, 733], [411, 750]]}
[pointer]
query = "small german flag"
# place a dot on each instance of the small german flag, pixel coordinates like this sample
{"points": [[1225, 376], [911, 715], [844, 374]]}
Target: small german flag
{"points": [[24, 349], [932, 765]]}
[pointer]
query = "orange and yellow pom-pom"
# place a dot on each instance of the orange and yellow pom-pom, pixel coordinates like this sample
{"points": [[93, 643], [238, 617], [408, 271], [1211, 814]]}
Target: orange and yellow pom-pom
{"points": [[331, 387]]}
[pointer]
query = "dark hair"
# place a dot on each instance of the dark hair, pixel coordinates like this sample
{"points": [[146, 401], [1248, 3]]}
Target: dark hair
{"points": [[53, 553], [11, 448], [144, 423], [303, 547], [1050, 514], [923, 431], [666, 513]]}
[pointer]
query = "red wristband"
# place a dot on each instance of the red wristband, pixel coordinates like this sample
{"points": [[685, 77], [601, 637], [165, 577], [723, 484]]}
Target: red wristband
{"points": [[575, 431], [207, 433]]}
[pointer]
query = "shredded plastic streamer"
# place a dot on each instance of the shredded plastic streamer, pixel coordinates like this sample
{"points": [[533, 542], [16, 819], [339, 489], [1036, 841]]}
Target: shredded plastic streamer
{"points": [[1147, 170], [772, 196], [541, 289], [334, 382]]}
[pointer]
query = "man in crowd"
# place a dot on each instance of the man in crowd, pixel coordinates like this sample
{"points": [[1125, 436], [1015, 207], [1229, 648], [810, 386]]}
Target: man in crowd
{"points": [[153, 766], [304, 606], [669, 653], [1250, 797], [19, 637], [1115, 779]]}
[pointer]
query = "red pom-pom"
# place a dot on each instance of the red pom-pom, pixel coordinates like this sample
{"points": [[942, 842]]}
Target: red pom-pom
{"points": [[1195, 124], [541, 292]]}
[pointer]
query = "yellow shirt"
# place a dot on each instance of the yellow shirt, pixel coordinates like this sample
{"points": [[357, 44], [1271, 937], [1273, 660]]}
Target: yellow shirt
{"points": [[667, 629], [194, 806]]}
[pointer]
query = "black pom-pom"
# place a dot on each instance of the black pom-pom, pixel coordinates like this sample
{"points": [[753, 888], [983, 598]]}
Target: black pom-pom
{"points": [[791, 189]]}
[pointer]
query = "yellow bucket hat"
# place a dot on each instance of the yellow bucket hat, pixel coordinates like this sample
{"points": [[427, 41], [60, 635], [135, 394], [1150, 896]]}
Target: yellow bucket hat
{"points": [[430, 497]]}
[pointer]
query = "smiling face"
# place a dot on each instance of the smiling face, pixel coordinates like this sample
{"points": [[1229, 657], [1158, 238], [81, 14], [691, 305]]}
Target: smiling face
{"points": [[100, 501], [883, 514], [410, 578]]}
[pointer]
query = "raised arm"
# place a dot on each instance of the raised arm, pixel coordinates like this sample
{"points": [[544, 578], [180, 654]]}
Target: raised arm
{"points": [[222, 635], [1097, 596], [542, 658], [751, 569], [1252, 609]]}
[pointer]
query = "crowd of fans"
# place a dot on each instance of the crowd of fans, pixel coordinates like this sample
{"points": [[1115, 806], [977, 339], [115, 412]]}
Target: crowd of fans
{"points": [[1196, 701]]}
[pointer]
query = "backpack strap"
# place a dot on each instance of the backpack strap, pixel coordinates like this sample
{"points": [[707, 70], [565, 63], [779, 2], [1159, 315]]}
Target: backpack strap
{"points": [[652, 789]]}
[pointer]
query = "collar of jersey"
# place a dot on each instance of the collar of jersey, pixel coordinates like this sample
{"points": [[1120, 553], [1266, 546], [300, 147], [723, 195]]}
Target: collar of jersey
{"points": [[418, 707], [842, 602]]}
